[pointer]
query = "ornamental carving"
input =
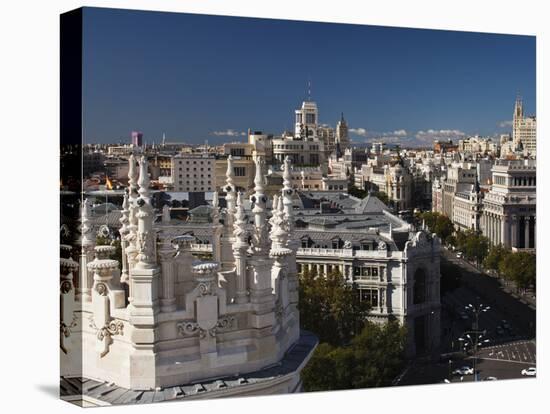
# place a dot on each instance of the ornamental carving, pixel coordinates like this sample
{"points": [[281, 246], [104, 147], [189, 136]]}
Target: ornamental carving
{"points": [[101, 289], [65, 331], [189, 328], [66, 287], [205, 288], [105, 333]]}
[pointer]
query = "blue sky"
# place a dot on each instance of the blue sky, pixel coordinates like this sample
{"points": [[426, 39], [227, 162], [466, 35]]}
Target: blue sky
{"points": [[197, 78]]}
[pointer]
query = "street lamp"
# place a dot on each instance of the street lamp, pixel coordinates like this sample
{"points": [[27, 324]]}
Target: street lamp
{"points": [[473, 342], [473, 339], [476, 311]]}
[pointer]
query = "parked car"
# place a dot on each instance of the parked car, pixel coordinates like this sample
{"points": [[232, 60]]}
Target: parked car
{"points": [[459, 255], [490, 379], [530, 372], [465, 370]]}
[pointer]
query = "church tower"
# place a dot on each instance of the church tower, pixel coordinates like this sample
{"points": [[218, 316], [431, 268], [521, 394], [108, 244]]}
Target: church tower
{"points": [[518, 118], [342, 139]]}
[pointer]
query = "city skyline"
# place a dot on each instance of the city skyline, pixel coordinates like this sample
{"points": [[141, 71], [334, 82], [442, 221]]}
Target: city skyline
{"points": [[404, 85]]}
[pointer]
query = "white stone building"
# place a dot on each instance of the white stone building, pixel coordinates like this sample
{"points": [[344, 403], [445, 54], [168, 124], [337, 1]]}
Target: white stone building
{"points": [[160, 325], [509, 208], [467, 209], [393, 267]]}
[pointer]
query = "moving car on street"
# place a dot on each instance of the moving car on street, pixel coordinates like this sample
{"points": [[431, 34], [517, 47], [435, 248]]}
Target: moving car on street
{"points": [[465, 370], [529, 372]]}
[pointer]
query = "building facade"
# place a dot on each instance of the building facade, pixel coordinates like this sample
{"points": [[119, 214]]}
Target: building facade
{"points": [[393, 268], [509, 208], [193, 172]]}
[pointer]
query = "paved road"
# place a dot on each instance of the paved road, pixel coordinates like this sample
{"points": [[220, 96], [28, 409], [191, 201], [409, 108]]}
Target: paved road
{"points": [[502, 361], [528, 298], [509, 350]]}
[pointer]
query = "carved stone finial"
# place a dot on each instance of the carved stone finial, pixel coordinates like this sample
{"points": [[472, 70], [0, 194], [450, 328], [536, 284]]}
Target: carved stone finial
{"points": [[215, 208], [86, 238], [125, 219], [287, 192], [259, 200], [240, 225], [146, 237], [230, 193]]}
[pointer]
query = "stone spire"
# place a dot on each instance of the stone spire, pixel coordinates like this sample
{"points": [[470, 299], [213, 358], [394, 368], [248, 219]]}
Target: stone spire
{"points": [[215, 208], [124, 220], [146, 237], [260, 200], [124, 230], [133, 194], [230, 190], [240, 225], [287, 193], [278, 232], [86, 237]]}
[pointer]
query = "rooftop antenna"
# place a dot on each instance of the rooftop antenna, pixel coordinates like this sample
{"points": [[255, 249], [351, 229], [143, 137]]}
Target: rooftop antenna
{"points": [[163, 139], [309, 90]]}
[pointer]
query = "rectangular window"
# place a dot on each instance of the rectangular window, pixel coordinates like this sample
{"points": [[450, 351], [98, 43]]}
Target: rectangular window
{"points": [[369, 295], [239, 171], [237, 152]]}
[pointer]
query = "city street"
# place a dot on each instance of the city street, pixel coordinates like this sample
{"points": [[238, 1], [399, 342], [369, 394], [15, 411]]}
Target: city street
{"points": [[509, 327]]}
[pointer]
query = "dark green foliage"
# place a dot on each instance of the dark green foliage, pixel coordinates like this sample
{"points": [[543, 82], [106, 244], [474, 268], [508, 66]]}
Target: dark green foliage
{"points": [[372, 359], [521, 268], [330, 308]]}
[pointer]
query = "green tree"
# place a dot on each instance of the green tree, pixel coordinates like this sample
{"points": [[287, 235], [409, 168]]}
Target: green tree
{"points": [[320, 372], [372, 359], [330, 307], [444, 227], [495, 255], [520, 268], [475, 246]]}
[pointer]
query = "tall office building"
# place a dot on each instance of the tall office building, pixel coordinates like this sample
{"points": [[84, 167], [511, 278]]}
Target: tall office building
{"points": [[137, 139], [524, 129]]}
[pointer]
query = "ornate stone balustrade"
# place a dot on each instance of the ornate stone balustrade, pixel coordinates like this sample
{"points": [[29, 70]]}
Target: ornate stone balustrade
{"points": [[196, 247], [345, 253]]}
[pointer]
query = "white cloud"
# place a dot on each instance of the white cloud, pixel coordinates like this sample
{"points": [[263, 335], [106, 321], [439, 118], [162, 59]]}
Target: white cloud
{"points": [[362, 132], [506, 124], [229, 133], [432, 134], [397, 133]]}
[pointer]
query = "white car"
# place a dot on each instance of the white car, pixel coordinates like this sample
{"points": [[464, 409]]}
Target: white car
{"points": [[459, 255], [490, 379], [465, 370], [530, 372]]}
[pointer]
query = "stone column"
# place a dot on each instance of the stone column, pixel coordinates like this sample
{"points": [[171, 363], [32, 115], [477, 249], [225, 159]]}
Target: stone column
{"points": [[514, 238], [499, 232], [87, 244], [527, 219], [505, 231], [167, 253]]}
